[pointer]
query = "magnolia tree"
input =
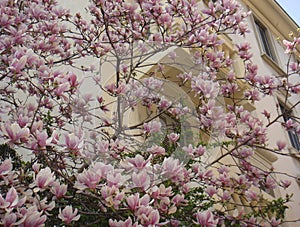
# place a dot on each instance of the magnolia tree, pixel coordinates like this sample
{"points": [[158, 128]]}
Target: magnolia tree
{"points": [[123, 150]]}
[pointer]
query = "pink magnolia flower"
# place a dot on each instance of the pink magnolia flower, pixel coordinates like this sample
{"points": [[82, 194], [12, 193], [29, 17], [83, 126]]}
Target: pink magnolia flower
{"points": [[126, 223], [5, 167], [44, 178], [161, 192], [244, 50], [223, 169], [3, 203], [165, 19], [252, 221], [54, 138], [59, 190], [111, 88], [251, 195], [189, 149], [242, 180], [275, 222], [266, 114], [18, 64], [281, 145], [252, 95], [172, 168], [206, 219], [224, 179], [134, 201], [37, 126], [206, 87], [112, 196], [36, 167], [22, 120], [11, 200], [173, 137], [137, 163], [164, 103], [12, 197], [175, 223], [245, 152], [43, 204], [200, 150], [116, 178], [42, 138], [60, 89], [73, 142], [185, 76], [179, 200], [210, 190], [238, 213], [15, 133], [289, 125], [270, 182], [87, 179], [289, 46], [33, 218], [141, 180], [152, 127], [10, 220], [153, 83], [102, 146], [156, 37], [165, 206], [67, 215], [156, 150], [148, 216], [124, 68], [251, 73], [226, 195], [72, 78], [91, 177], [294, 66], [102, 169], [285, 183]]}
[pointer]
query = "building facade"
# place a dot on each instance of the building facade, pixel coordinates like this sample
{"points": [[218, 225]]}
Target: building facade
{"points": [[269, 25]]}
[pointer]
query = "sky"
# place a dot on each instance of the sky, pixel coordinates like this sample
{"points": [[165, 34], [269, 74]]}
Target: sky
{"points": [[292, 7]]}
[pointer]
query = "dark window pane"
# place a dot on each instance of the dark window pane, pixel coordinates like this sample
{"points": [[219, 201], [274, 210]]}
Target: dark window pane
{"points": [[264, 39], [287, 114]]}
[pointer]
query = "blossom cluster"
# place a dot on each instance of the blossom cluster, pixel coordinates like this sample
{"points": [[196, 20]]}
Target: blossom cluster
{"points": [[125, 152]]}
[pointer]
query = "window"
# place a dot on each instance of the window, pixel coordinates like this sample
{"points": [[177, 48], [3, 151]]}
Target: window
{"points": [[169, 125], [265, 40], [287, 115]]}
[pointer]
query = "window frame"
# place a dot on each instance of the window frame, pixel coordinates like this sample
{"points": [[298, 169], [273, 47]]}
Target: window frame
{"points": [[265, 40], [287, 114]]}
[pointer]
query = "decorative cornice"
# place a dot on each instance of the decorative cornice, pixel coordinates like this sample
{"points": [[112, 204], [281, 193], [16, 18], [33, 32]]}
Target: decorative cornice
{"points": [[273, 16]]}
